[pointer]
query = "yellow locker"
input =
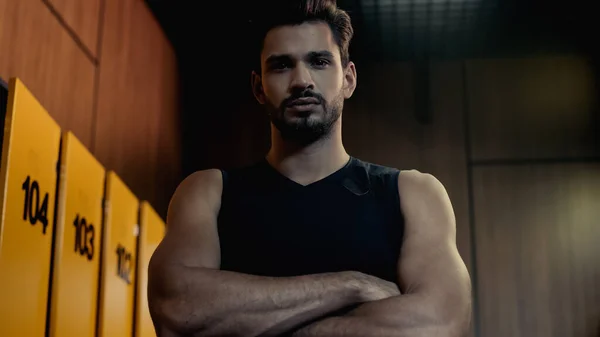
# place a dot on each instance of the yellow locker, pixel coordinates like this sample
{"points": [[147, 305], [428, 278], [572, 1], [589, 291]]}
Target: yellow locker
{"points": [[117, 288], [152, 231], [78, 235], [27, 192]]}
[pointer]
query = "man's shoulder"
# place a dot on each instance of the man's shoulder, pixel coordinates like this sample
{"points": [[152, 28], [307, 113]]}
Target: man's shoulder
{"points": [[202, 177], [201, 181], [407, 177], [405, 174], [410, 182], [422, 193], [414, 180], [373, 169]]}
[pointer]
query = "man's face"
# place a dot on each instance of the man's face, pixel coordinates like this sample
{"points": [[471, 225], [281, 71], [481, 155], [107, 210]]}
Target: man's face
{"points": [[302, 82]]}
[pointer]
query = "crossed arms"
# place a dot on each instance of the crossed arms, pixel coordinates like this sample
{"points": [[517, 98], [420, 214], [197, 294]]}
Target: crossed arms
{"points": [[190, 296]]}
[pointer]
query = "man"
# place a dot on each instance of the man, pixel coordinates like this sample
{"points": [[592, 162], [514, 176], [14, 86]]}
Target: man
{"points": [[310, 241]]}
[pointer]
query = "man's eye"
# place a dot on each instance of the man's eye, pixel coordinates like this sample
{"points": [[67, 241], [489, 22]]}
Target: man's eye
{"points": [[281, 65], [320, 63]]}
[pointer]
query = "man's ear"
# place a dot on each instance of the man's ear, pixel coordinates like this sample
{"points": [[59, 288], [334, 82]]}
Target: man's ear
{"points": [[257, 88], [349, 80]]}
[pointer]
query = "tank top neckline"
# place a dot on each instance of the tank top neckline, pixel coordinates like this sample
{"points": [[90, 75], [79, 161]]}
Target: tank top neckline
{"points": [[337, 175]]}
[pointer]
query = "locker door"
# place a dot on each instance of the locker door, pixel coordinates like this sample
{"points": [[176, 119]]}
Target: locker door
{"points": [[117, 288], [30, 150]]}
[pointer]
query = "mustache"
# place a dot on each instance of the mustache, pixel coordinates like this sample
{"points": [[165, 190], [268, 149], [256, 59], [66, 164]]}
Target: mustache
{"points": [[302, 94]]}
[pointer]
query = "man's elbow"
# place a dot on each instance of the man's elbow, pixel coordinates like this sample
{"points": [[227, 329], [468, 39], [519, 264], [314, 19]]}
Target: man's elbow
{"points": [[168, 304], [171, 312], [455, 320], [166, 314], [175, 316], [455, 311], [457, 329], [171, 309]]}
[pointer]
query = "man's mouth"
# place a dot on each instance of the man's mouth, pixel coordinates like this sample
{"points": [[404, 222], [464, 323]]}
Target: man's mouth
{"points": [[305, 107], [303, 101]]}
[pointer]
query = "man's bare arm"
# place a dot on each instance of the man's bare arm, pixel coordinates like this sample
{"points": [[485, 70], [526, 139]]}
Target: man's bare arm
{"points": [[188, 294], [436, 290]]}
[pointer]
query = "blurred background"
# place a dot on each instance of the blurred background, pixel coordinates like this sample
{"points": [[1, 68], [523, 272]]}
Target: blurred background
{"points": [[498, 99]]}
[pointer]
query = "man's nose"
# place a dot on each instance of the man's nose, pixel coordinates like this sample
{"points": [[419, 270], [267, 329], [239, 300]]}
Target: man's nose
{"points": [[301, 78]]}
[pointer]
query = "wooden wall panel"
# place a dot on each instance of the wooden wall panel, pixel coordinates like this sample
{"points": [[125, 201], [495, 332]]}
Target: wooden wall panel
{"points": [[533, 108], [537, 230], [137, 124], [444, 152], [169, 170], [380, 126], [37, 49], [82, 16]]}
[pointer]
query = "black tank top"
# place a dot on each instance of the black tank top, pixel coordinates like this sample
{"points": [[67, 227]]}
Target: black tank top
{"points": [[270, 225]]}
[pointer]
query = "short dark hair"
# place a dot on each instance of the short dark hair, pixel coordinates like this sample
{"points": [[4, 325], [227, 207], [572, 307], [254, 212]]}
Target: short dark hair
{"points": [[295, 12]]}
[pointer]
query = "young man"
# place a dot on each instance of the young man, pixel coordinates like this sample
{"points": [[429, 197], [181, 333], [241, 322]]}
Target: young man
{"points": [[310, 241]]}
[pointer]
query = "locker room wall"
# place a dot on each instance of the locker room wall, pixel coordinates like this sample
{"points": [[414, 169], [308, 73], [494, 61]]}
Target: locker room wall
{"points": [[105, 70]]}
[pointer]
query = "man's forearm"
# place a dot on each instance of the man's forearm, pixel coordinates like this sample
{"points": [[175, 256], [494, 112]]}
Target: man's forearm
{"points": [[345, 326], [365, 327], [208, 302], [402, 316]]}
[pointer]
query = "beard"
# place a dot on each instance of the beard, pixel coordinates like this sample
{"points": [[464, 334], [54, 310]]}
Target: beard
{"points": [[308, 127]]}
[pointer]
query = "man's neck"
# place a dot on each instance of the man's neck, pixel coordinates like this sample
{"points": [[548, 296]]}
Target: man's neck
{"points": [[307, 164]]}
